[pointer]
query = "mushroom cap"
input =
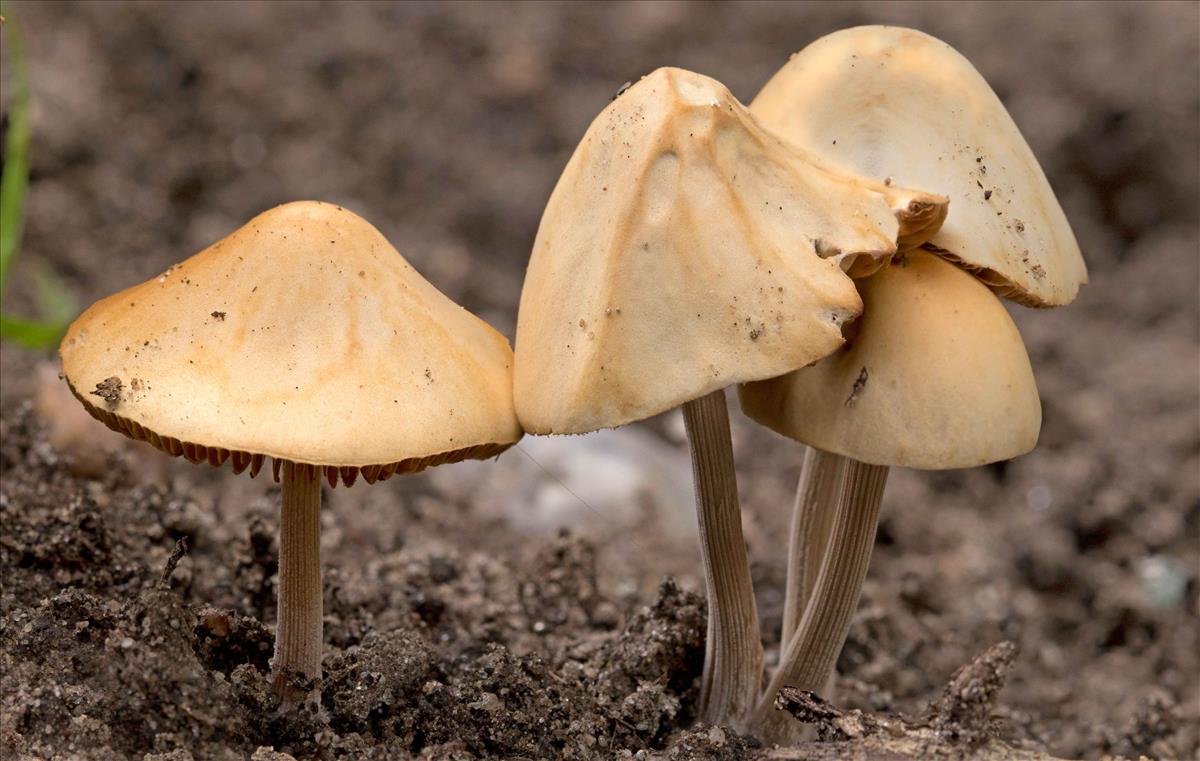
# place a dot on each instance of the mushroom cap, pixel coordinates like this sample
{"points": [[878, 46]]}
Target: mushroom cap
{"points": [[937, 377], [686, 249], [893, 102], [302, 336]]}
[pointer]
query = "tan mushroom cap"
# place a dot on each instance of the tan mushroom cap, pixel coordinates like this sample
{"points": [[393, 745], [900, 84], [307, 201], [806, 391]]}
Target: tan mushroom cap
{"points": [[302, 336], [682, 251], [894, 102], [937, 377]]}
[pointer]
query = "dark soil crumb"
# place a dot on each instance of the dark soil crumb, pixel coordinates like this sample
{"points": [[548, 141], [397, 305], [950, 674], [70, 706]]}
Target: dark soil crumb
{"points": [[958, 726], [1151, 730], [706, 743], [965, 709], [108, 660]]}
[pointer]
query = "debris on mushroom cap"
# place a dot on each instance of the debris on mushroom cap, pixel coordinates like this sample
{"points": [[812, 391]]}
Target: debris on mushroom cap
{"points": [[935, 377], [330, 349], [894, 102], [685, 249]]}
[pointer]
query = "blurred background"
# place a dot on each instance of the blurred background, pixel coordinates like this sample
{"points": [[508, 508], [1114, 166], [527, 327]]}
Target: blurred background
{"points": [[156, 129]]}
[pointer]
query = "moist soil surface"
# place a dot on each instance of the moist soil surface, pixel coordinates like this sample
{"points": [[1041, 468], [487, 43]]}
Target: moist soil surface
{"points": [[544, 605]]}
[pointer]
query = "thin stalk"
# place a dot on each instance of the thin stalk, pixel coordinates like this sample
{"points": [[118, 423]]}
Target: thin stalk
{"points": [[298, 633], [733, 651], [812, 520], [811, 654]]}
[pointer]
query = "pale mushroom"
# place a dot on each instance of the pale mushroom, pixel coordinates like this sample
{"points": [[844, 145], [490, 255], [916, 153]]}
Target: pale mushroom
{"points": [[890, 102], [303, 337], [935, 377], [683, 250], [897, 104]]}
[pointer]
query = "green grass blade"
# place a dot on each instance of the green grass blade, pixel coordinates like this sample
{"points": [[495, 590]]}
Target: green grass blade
{"points": [[29, 333], [15, 179], [55, 304]]}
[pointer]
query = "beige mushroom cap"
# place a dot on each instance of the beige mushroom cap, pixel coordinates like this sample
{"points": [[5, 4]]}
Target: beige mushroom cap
{"points": [[936, 377], [302, 336], [893, 102], [682, 251]]}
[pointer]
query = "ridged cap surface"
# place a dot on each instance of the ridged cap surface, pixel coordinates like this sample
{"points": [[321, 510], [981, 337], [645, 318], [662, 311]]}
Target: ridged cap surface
{"points": [[686, 249]]}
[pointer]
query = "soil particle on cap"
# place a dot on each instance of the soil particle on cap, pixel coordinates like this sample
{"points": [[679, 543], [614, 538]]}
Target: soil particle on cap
{"points": [[218, 316], [109, 390], [859, 384]]}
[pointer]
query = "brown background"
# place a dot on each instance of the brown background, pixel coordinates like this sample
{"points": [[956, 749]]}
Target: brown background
{"points": [[159, 128]]}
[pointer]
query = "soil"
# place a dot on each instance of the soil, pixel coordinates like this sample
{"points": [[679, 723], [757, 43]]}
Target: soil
{"points": [[461, 623]]}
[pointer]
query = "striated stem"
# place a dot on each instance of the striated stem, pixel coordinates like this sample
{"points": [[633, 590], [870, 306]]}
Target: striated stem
{"points": [[811, 654], [298, 633], [733, 652], [812, 520]]}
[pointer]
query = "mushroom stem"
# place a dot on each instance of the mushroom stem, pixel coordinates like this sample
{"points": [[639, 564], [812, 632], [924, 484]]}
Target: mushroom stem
{"points": [[733, 650], [298, 633], [812, 519], [811, 652]]}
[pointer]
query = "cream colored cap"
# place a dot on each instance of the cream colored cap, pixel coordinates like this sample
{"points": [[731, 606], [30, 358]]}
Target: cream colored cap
{"points": [[682, 251], [936, 377], [303, 336], [893, 102]]}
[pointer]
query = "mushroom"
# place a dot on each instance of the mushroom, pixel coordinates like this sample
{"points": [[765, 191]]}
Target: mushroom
{"points": [[921, 385], [895, 103], [683, 250], [935, 377], [306, 338]]}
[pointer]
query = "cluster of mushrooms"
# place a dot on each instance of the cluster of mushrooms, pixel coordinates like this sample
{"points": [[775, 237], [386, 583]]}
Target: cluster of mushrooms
{"points": [[837, 251]]}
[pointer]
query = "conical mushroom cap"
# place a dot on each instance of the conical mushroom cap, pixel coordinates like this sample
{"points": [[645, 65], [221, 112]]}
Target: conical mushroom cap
{"points": [[303, 336], [681, 252], [936, 377], [893, 102]]}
